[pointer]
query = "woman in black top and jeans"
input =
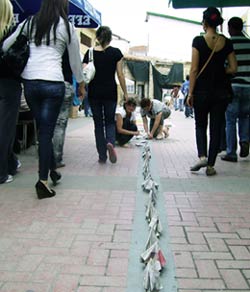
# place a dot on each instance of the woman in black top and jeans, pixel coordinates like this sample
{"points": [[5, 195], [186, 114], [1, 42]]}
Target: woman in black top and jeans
{"points": [[102, 92], [208, 91]]}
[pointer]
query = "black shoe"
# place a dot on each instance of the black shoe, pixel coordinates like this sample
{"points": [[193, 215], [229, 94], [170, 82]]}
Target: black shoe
{"points": [[244, 149], [43, 192], [199, 165], [60, 164], [229, 158], [55, 176], [210, 171]]}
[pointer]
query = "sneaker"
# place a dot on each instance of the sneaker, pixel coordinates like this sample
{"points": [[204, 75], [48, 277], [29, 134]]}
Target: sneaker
{"points": [[112, 153], [229, 158], [199, 165], [166, 131], [19, 164], [160, 136], [244, 149], [9, 179], [210, 171]]}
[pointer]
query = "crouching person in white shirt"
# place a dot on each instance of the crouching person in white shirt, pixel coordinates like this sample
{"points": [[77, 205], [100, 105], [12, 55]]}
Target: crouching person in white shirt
{"points": [[157, 112], [126, 122]]}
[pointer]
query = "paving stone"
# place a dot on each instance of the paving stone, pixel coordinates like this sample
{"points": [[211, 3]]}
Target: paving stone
{"points": [[89, 289], [201, 284], [217, 244], [234, 279], [212, 255], [240, 252], [186, 273], [183, 260], [207, 269]]}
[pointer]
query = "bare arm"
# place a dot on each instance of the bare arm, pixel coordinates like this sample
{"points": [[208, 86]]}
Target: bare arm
{"points": [[145, 124], [156, 124], [121, 79], [232, 64]]}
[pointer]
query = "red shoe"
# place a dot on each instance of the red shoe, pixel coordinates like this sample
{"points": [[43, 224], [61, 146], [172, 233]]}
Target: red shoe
{"points": [[112, 153]]}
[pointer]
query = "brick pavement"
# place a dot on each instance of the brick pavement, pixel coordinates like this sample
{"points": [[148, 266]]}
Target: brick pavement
{"points": [[82, 240]]}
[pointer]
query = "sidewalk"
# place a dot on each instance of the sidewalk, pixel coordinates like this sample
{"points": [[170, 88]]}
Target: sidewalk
{"points": [[88, 238]]}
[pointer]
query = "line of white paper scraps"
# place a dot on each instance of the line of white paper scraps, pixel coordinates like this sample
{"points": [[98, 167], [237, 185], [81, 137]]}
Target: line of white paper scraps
{"points": [[152, 256]]}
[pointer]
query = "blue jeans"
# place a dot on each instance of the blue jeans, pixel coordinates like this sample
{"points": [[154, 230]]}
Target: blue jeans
{"points": [[62, 122], [176, 103], [10, 94], [104, 121], [45, 99], [239, 109], [181, 104]]}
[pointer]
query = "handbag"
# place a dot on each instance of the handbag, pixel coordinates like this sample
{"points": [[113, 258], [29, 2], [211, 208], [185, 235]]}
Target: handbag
{"points": [[16, 57], [89, 69]]}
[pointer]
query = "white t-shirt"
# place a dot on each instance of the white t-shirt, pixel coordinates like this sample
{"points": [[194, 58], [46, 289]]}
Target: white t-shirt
{"points": [[157, 107], [121, 111]]}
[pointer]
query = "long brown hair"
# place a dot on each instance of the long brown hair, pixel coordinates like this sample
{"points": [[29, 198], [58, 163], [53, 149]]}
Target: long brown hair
{"points": [[48, 18]]}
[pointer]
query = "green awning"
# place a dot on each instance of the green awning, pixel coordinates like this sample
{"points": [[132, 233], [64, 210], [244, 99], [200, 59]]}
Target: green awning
{"points": [[208, 3]]}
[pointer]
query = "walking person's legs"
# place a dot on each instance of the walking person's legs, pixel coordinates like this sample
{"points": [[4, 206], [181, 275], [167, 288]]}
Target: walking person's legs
{"points": [[109, 121], [10, 93], [98, 117], [217, 112], [61, 125], [232, 112], [244, 116], [45, 99], [201, 108]]}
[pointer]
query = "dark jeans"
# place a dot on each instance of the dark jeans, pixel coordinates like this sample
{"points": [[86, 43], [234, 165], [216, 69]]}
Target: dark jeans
{"points": [[104, 119], [127, 125], [214, 107], [45, 99], [10, 94]]}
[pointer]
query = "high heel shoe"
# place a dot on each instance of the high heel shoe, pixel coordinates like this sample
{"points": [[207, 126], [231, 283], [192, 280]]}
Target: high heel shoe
{"points": [[55, 176], [43, 192]]}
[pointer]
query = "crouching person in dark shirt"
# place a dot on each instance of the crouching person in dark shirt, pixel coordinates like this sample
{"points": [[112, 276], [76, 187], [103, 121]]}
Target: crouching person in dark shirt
{"points": [[126, 122]]}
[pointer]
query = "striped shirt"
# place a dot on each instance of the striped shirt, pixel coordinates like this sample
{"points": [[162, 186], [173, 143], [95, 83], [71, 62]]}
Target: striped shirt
{"points": [[241, 46]]}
